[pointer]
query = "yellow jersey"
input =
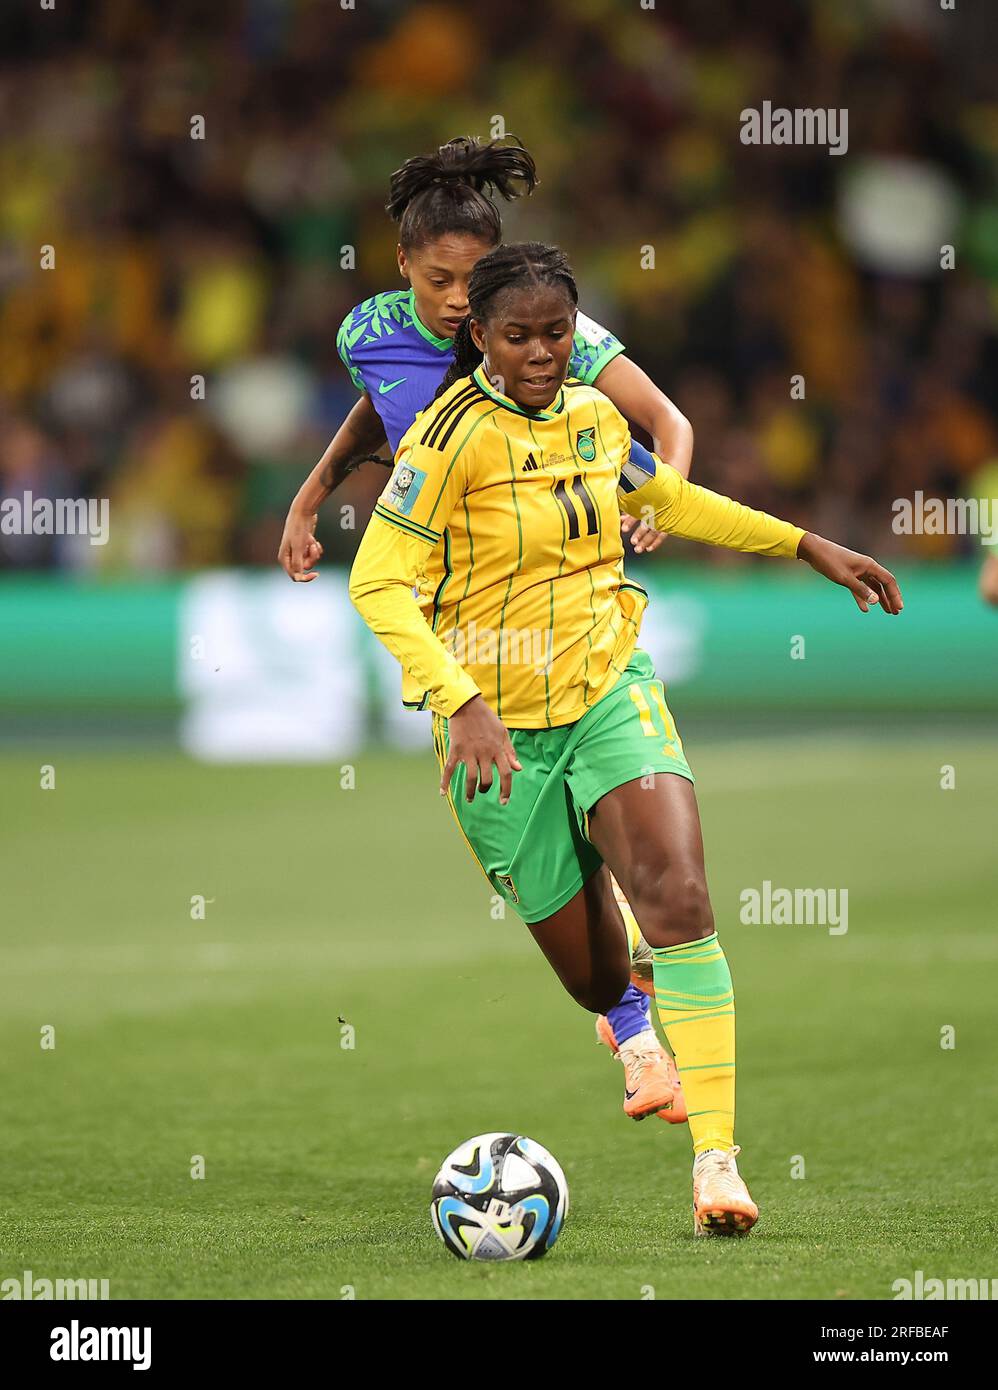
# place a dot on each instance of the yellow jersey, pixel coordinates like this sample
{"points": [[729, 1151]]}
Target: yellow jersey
{"points": [[493, 562]]}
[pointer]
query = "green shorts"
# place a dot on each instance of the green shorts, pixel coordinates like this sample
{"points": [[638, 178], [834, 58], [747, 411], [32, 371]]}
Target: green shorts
{"points": [[535, 850]]}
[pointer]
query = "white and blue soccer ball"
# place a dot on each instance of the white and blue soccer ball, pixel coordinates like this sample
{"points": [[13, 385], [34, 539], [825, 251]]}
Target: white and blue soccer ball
{"points": [[499, 1197]]}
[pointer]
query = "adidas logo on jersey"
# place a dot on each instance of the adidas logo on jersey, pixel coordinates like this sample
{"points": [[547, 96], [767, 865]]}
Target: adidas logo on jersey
{"points": [[530, 464]]}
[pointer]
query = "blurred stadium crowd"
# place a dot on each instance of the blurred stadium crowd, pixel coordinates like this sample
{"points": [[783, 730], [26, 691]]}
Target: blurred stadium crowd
{"points": [[221, 257]]}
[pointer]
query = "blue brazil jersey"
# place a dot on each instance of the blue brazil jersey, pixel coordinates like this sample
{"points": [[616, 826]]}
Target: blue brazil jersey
{"points": [[395, 358]]}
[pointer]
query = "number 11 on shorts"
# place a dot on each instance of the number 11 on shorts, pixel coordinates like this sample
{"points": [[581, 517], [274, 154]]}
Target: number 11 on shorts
{"points": [[647, 720]]}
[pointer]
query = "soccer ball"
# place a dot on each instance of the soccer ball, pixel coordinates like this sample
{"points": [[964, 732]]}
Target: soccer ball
{"points": [[499, 1197]]}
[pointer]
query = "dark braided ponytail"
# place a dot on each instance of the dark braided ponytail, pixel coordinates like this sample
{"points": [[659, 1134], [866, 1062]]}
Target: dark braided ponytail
{"points": [[519, 266], [431, 195], [466, 357]]}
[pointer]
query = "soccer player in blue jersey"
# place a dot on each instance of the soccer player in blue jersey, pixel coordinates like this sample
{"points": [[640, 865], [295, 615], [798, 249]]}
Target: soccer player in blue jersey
{"points": [[397, 346]]}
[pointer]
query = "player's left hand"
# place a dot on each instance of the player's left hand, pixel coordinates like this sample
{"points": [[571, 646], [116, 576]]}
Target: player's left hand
{"points": [[642, 536], [869, 582]]}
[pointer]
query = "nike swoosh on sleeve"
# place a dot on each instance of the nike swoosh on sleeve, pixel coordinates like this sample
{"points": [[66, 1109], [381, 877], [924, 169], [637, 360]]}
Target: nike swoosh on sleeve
{"points": [[385, 386]]}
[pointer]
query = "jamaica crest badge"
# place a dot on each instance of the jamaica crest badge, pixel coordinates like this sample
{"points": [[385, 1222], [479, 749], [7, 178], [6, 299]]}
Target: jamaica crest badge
{"points": [[585, 444]]}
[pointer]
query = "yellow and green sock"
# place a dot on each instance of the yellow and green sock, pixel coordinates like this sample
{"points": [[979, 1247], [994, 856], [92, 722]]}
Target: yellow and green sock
{"points": [[696, 1006]]}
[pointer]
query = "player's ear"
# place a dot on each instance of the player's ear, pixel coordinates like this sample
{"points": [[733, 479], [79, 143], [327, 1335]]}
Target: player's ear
{"points": [[403, 261], [477, 330]]}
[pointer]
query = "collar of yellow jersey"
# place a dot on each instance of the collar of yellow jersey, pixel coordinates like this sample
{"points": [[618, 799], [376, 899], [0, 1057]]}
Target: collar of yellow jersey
{"points": [[549, 413]]}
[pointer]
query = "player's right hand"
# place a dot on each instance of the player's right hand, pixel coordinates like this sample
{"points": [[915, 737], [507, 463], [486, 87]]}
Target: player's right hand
{"points": [[299, 550], [479, 739]]}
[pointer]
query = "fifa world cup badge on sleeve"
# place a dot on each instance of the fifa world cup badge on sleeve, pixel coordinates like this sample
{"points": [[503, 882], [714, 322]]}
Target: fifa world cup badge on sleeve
{"points": [[404, 487]]}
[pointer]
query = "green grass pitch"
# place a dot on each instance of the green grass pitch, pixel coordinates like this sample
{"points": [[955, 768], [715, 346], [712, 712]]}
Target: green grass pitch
{"points": [[177, 1037]]}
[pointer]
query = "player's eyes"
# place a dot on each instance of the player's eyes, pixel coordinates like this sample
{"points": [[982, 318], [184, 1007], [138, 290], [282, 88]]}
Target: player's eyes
{"points": [[556, 334]]}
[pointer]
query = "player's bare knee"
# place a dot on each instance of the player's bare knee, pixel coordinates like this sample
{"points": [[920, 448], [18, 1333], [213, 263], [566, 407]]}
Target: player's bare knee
{"points": [[689, 915], [678, 911], [645, 889]]}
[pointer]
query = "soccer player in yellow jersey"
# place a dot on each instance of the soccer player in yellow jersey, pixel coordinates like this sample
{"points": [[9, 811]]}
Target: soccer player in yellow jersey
{"points": [[492, 569], [397, 347]]}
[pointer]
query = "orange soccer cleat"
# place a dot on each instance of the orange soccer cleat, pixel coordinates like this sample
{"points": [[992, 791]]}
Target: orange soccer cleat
{"points": [[722, 1205], [651, 1082], [678, 1115]]}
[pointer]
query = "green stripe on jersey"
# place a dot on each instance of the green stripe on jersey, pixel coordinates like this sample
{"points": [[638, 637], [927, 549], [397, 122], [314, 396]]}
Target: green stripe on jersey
{"points": [[457, 454], [404, 524]]}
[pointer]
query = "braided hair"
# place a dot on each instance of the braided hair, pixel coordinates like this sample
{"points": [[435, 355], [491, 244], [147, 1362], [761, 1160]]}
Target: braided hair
{"points": [[521, 265], [433, 194]]}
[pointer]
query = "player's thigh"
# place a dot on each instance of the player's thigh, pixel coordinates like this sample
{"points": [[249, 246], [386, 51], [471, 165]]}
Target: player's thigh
{"points": [[648, 832], [629, 735], [586, 945], [648, 827], [633, 789]]}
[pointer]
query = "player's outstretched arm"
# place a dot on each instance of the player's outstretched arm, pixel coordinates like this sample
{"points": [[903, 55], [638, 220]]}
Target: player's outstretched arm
{"points": [[360, 435], [649, 489], [696, 513]]}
